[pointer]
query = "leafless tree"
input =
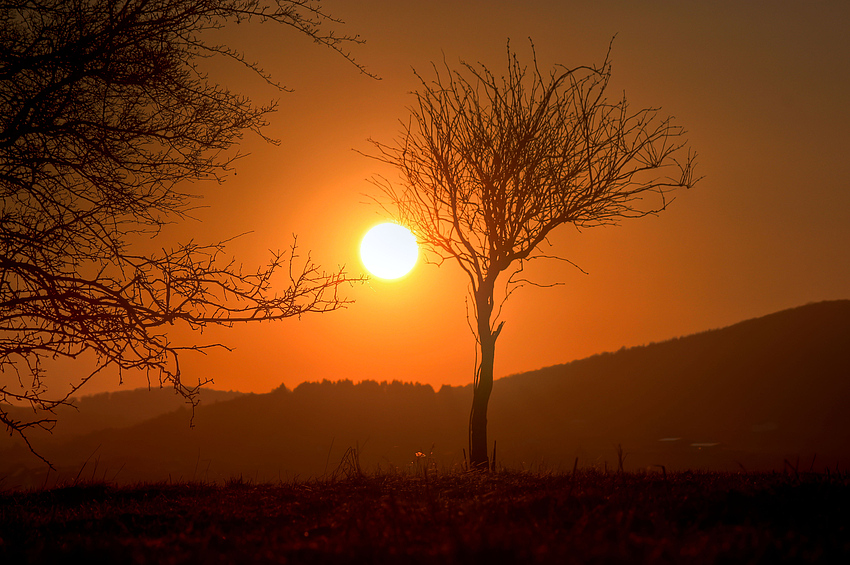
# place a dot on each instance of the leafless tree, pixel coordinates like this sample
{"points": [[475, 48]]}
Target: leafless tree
{"points": [[490, 165], [104, 112]]}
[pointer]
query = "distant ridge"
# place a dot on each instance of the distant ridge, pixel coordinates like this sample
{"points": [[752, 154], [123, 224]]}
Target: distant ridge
{"points": [[750, 396], [118, 409], [765, 389]]}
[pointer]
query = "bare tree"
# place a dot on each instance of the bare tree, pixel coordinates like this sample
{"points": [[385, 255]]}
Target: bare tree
{"points": [[104, 111], [489, 166]]}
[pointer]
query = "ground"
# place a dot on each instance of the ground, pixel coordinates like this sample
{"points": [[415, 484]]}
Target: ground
{"points": [[433, 517]]}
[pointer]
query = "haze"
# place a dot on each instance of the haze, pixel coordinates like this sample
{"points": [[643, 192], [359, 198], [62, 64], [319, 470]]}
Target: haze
{"points": [[761, 88]]}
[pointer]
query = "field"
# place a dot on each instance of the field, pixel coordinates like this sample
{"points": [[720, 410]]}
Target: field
{"points": [[504, 517]]}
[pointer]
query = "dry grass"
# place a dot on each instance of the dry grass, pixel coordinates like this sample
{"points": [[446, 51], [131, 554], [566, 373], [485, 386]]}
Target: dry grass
{"points": [[432, 517]]}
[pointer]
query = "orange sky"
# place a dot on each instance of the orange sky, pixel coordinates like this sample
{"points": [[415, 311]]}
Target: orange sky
{"points": [[762, 89]]}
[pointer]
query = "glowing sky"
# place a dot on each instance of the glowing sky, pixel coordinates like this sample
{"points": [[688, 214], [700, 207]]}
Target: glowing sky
{"points": [[762, 88]]}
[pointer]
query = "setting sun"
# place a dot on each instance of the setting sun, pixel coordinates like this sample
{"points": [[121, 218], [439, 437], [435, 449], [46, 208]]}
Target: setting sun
{"points": [[389, 251]]}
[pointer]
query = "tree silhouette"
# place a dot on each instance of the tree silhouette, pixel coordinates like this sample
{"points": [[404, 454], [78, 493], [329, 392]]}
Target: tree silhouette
{"points": [[489, 166], [104, 111]]}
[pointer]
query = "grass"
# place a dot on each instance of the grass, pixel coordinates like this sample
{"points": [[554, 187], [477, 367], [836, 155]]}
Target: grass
{"points": [[446, 518]]}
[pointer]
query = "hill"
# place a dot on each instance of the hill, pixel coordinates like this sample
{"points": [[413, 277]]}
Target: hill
{"points": [[753, 394], [118, 409], [749, 395]]}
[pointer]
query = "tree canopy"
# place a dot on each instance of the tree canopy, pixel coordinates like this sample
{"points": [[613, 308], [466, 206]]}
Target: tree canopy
{"points": [[105, 114]]}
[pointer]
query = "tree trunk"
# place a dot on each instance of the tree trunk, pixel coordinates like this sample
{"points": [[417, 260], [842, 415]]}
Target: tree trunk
{"points": [[478, 458], [483, 386]]}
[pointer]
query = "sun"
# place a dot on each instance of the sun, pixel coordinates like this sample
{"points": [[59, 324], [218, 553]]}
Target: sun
{"points": [[389, 251]]}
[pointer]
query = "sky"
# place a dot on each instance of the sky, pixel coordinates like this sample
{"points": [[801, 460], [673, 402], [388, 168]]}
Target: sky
{"points": [[761, 88]]}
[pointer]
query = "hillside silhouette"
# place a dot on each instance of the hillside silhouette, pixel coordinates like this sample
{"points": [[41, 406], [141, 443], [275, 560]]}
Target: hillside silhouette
{"points": [[763, 390], [119, 409], [751, 396]]}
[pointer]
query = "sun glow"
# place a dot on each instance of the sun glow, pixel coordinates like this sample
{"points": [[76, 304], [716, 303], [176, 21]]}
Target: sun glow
{"points": [[389, 251]]}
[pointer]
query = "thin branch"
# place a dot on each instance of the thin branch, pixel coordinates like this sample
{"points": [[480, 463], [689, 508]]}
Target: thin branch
{"points": [[104, 113]]}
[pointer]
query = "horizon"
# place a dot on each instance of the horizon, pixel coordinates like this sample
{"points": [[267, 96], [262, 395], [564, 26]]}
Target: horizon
{"points": [[778, 382]]}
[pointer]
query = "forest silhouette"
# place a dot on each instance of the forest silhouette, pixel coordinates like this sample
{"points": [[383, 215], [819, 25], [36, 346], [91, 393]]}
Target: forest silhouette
{"points": [[758, 395]]}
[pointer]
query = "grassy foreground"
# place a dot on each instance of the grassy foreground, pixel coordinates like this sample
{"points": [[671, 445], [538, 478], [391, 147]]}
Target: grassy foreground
{"points": [[506, 517]]}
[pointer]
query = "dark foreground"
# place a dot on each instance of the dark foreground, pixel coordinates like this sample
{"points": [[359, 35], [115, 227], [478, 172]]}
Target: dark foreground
{"points": [[590, 517]]}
